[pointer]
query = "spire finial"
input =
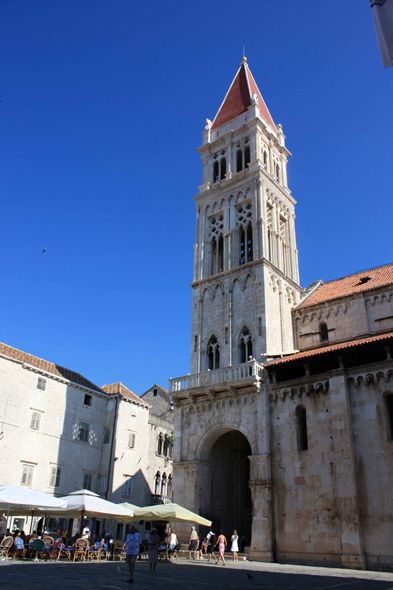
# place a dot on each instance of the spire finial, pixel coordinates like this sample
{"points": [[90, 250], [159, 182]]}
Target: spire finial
{"points": [[244, 59]]}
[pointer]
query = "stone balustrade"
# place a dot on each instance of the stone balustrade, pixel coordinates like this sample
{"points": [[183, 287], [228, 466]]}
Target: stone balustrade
{"points": [[246, 372]]}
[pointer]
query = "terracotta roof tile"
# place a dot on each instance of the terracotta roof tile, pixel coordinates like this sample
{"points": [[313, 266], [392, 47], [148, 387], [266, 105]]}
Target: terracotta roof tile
{"points": [[46, 366], [238, 99], [356, 283], [119, 388], [330, 348]]}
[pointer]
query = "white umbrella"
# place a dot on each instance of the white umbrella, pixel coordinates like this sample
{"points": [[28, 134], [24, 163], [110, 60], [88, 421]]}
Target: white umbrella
{"points": [[20, 500]]}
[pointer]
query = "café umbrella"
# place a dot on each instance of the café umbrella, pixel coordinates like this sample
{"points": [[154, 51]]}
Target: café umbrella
{"points": [[22, 501]]}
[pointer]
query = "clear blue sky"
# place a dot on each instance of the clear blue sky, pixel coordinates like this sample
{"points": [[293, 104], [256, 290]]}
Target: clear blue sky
{"points": [[103, 105]]}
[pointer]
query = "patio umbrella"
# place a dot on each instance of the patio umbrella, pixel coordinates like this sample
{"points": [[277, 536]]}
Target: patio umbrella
{"points": [[21, 501], [86, 503], [168, 513]]}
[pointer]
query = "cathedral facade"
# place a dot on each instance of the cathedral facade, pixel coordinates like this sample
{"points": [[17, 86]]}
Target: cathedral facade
{"points": [[266, 426]]}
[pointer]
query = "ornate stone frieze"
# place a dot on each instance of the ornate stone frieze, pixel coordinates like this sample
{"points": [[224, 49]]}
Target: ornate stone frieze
{"points": [[306, 388], [322, 313], [377, 376], [380, 298]]}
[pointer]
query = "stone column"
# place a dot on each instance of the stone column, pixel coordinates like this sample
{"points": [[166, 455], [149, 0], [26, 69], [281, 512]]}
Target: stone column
{"points": [[191, 489], [347, 492], [261, 494]]}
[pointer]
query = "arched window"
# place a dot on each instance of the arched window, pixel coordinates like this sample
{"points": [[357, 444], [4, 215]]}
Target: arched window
{"points": [[215, 172], [246, 245], [301, 428], [160, 443], [163, 485], [265, 158], [165, 448], [223, 168], [239, 160], [278, 172], [389, 413], [157, 483], [170, 486], [213, 354], [245, 345], [323, 332], [247, 157], [217, 254]]}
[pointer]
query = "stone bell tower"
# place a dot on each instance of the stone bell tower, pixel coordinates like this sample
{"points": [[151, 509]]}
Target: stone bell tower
{"points": [[245, 283]]}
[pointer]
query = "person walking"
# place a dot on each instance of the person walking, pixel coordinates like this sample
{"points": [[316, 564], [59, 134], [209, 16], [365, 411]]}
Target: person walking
{"points": [[211, 540], [193, 543], [222, 545], [132, 544], [235, 545], [154, 541]]}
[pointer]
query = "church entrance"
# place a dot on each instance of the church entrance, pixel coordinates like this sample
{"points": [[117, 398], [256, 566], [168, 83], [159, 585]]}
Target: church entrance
{"points": [[230, 495]]}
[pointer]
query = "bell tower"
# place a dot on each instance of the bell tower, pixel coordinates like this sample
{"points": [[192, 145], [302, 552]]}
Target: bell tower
{"points": [[246, 276], [245, 283]]}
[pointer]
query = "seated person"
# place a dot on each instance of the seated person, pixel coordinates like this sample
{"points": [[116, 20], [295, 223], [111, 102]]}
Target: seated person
{"points": [[19, 546]]}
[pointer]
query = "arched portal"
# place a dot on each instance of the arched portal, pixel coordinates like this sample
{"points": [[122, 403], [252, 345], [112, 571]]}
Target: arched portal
{"points": [[227, 499]]}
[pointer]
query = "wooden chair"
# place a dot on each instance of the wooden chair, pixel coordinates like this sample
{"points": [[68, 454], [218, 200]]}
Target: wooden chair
{"points": [[97, 551], [81, 549], [38, 546], [5, 546], [57, 548], [49, 544]]}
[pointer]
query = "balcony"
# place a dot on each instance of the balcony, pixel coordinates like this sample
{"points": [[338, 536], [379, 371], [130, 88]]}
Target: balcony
{"points": [[218, 380]]}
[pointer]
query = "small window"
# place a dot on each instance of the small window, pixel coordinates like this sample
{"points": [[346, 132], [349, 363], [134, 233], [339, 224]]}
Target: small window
{"points": [[84, 432], [160, 442], [163, 485], [55, 474], [389, 414], [131, 440], [107, 436], [157, 483], [27, 475], [195, 343], [101, 485], [87, 481], [155, 392], [110, 406], [127, 485], [147, 525], [265, 158], [301, 428], [87, 400], [323, 332], [215, 172], [35, 421], [239, 160], [223, 168], [41, 383], [259, 326], [226, 335], [278, 172], [247, 158], [134, 410]]}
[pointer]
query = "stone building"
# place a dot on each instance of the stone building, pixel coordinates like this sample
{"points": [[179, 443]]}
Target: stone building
{"points": [[247, 455], [60, 432]]}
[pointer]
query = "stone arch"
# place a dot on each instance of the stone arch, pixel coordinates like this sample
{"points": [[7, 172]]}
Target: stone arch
{"points": [[216, 287], [250, 276], [240, 281], [212, 435], [208, 290]]}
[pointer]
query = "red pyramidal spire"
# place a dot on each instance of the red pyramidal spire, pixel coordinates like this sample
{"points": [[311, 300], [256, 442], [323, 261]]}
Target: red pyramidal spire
{"points": [[238, 98]]}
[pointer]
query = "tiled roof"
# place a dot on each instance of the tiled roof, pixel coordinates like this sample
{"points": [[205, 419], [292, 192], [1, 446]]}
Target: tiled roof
{"points": [[113, 388], [46, 366], [238, 99], [356, 283], [326, 349]]}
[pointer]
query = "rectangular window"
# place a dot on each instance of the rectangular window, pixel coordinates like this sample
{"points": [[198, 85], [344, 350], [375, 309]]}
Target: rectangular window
{"points": [[87, 400], [110, 406], [35, 421], [131, 440], [155, 392], [133, 411], [107, 436], [84, 431], [27, 474], [55, 474], [101, 485], [41, 383], [87, 481], [127, 485]]}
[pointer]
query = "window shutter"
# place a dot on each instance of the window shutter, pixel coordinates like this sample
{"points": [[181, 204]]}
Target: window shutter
{"points": [[131, 440], [52, 480]]}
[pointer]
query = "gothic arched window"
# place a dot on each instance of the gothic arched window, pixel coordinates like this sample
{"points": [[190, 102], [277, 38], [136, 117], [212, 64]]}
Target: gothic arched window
{"points": [[388, 396], [265, 158], [278, 172], [301, 428], [213, 354], [215, 172], [223, 168], [160, 443], [157, 483], [245, 345], [247, 157], [169, 486], [323, 332], [163, 485], [246, 244], [239, 160]]}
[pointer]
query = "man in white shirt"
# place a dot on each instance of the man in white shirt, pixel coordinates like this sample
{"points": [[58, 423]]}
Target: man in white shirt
{"points": [[133, 541], [86, 533]]}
